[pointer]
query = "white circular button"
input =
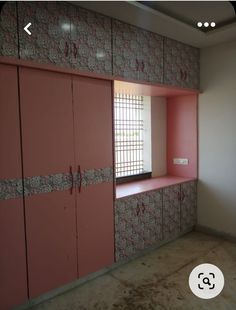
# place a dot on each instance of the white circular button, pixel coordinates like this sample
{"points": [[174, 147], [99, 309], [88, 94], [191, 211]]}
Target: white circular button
{"points": [[206, 24], [199, 24], [213, 24], [206, 281]]}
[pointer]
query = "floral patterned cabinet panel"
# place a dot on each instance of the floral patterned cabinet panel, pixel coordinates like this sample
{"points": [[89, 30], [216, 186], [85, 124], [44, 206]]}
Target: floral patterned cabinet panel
{"points": [[125, 50], [137, 53], [90, 41], [188, 205], [138, 223], [181, 64], [151, 217], [150, 57], [8, 30], [128, 228], [171, 211], [49, 41]]}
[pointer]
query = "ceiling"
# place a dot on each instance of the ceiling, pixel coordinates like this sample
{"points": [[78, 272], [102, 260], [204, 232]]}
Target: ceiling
{"points": [[174, 19]]}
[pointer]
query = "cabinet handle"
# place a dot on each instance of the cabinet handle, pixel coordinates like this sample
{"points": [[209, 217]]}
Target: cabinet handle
{"points": [[183, 196], [75, 50], [137, 210], [137, 65], [143, 208], [66, 49], [72, 180], [179, 196], [142, 67], [80, 178], [181, 75], [185, 75]]}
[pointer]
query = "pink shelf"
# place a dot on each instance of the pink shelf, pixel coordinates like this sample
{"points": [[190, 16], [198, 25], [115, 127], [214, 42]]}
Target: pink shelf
{"points": [[137, 187]]}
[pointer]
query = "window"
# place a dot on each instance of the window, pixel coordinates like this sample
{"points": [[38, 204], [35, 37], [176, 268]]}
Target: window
{"points": [[132, 135]]}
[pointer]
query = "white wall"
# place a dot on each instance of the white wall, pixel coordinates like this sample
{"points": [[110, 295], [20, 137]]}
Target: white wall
{"points": [[158, 120], [217, 139]]}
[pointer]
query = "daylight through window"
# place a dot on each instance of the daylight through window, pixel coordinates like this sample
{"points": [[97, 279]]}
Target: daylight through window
{"points": [[131, 144]]}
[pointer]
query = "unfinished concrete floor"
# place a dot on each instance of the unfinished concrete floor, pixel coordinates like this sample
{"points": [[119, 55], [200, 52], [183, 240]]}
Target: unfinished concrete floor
{"points": [[158, 280]]}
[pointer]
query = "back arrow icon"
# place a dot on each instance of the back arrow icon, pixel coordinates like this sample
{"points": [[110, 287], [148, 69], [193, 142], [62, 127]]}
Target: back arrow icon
{"points": [[26, 28]]}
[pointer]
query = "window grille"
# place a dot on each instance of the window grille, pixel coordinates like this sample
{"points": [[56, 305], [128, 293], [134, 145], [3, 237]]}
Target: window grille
{"points": [[129, 143]]}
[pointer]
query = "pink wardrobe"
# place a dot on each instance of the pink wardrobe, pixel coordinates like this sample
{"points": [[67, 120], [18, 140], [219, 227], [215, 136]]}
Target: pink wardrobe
{"points": [[13, 277], [59, 226]]}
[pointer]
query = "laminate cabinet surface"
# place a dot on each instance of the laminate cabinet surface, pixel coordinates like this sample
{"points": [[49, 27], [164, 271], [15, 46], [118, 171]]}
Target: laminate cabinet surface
{"points": [[181, 64], [188, 205], [72, 37], [9, 30], [50, 29], [13, 279], [90, 41], [138, 223], [137, 53], [48, 148], [154, 217]]}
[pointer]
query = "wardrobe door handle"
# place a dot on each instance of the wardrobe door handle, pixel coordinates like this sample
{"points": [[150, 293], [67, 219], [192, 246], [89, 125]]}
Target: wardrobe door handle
{"points": [[75, 50], [66, 49], [80, 178], [72, 180], [183, 196], [181, 75]]}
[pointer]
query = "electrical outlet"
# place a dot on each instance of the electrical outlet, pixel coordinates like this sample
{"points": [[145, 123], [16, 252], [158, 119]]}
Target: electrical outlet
{"points": [[180, 161]]}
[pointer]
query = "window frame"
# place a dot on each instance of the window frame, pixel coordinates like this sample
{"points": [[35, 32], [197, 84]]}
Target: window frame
{"points": [[125, 100]]}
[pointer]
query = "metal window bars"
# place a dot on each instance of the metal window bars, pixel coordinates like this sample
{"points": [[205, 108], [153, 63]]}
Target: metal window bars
{"points": [[128, 113]]}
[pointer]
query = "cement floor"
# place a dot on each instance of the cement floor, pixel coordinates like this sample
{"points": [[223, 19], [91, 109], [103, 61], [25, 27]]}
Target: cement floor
{"points": [[158, 280]]}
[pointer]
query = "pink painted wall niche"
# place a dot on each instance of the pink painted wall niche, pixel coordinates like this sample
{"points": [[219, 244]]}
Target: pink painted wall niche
{"points": [[182, 141]]}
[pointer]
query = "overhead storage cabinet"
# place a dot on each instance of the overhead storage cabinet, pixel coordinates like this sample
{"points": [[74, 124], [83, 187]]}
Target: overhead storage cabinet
{"points": [[90, 41], [137, 53], [49, 42], [8, 30], [72, 37], [65, 35], [181, 64]]}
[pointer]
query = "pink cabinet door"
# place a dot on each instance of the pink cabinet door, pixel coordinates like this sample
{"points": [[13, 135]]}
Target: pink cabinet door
{"points": [[93, 137], [95, 228], [48, 152], [8, 30], [181, 64], [90, 41], [93, 122], [13, 278], [50, 32]]}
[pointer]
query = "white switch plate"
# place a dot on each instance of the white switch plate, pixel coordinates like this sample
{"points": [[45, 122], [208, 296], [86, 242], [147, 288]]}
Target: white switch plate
{"points": [[180, 161]]}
